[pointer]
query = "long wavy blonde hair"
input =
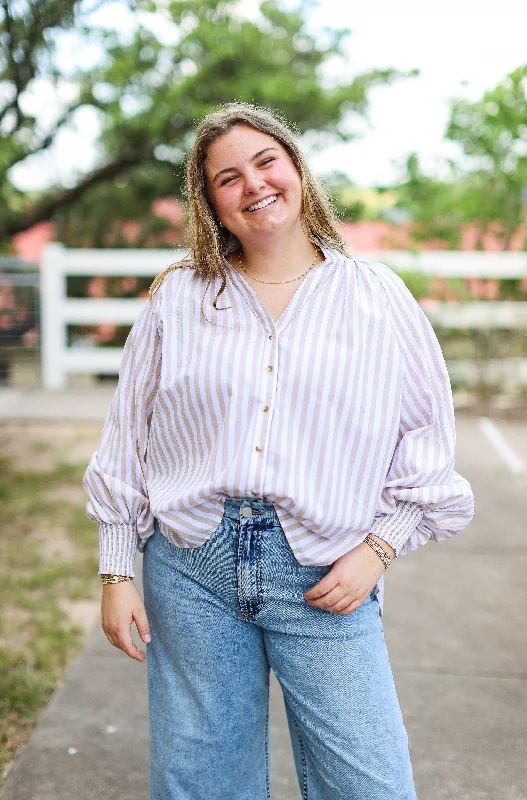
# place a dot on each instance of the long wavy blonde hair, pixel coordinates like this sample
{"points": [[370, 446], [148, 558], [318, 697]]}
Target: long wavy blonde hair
{"points": [[209, 241]]}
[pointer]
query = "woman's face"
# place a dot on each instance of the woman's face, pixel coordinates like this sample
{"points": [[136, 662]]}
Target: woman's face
{"points": [[246, 168]]}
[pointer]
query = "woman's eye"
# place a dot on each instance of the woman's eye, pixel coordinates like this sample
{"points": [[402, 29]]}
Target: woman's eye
{"points": [[262, 164]]}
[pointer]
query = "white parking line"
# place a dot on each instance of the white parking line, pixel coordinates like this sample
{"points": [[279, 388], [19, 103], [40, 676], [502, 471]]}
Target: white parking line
{"points": [[513, 462]]}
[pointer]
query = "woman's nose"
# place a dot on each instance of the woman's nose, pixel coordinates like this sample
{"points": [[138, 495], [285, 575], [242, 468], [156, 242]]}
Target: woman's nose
{"points": [[254, 181]]}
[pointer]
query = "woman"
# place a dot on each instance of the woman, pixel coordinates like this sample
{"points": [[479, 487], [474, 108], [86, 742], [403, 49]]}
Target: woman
{"points": [[282, 429]]}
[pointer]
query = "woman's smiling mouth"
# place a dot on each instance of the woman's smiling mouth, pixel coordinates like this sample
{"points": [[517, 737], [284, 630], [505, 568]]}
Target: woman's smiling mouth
{"points": [[263, 203]]}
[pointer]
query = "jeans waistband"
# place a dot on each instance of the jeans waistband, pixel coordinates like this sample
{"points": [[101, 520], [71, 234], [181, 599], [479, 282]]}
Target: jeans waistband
{"points": [[237, 509]]}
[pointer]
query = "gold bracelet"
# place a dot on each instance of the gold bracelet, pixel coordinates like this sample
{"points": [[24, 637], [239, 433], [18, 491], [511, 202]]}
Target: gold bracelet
{"points": [[381, 552], [108, 578]]}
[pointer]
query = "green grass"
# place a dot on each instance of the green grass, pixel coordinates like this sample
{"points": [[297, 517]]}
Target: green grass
{"points": [[37, 637]]}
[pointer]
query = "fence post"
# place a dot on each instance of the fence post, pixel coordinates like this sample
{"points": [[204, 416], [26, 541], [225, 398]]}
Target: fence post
{"points": [[53, 330]]}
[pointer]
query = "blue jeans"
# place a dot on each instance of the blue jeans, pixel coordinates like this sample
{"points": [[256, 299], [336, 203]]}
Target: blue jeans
{"points": [[220, 615]]}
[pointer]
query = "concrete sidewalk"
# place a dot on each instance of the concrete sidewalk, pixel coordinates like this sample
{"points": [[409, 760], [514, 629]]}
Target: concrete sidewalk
{"points": [[455, 628]]}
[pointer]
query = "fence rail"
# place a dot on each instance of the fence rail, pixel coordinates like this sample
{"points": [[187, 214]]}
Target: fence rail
{"points": [[58, 311], [485, 314], [455, 264]]}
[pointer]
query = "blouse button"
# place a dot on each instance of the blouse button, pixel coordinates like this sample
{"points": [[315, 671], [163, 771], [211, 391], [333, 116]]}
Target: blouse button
{"points": [[269, 368], [259, 448], [271, 336], [265, 408]]}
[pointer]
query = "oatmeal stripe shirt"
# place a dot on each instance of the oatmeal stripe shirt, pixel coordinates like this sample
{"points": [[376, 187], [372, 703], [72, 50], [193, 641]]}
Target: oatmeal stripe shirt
{"points": [[340, 414]]}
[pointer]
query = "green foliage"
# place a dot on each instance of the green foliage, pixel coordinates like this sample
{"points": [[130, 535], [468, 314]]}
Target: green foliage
{"points": [[435, 206], [149, 91], [487, 191], [493, 132]]}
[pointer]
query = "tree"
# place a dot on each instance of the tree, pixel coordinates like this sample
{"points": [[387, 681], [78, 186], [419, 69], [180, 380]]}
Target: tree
{"points": [[149, 91], [493, 135], [435, 206], [486, 190]]}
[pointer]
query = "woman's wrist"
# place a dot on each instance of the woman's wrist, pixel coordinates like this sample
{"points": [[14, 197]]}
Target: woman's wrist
{"points": [[381, 548]]}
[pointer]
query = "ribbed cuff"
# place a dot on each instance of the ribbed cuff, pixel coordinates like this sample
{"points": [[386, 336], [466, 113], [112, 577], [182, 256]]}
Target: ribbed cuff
{"points": [[117, 546], [396, 528]]}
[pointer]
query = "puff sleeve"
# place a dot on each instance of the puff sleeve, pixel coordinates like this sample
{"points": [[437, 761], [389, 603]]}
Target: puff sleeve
{"points": [[115, 479], [423, 497]]}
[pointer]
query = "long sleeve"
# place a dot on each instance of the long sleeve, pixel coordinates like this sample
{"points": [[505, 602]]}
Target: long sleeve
{"points": [[115, 478], [423, 496]]}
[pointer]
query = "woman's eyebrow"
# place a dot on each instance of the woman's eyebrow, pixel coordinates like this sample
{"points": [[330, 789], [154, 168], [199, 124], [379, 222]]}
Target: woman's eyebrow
{"points": [[253, 158]]}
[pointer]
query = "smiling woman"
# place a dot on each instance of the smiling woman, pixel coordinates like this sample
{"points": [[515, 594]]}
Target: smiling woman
{"points": [[270, 458], [259, 201], [243, 155]]}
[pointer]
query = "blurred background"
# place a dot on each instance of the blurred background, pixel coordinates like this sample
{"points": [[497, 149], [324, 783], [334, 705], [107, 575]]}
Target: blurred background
{"points": [[414, 118]]}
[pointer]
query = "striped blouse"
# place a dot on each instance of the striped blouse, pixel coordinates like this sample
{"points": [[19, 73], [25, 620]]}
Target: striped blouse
{"points": [[340, 414]]}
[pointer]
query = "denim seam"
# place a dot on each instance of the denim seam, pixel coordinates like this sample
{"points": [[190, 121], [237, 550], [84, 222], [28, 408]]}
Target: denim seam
{"points": [[239, 566], [267, 765], [304, 787], [259, 577]]}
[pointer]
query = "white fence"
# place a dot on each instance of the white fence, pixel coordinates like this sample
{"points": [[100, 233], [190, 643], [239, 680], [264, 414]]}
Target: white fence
{"points": [[58, 310]]}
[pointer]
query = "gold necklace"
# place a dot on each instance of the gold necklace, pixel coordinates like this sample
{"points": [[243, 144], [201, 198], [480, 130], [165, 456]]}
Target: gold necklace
{"points": [[276, 282]]}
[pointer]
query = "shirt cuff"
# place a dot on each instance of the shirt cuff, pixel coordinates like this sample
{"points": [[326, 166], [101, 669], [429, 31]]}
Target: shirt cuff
{"points": [[396, 528], [117, 547]]}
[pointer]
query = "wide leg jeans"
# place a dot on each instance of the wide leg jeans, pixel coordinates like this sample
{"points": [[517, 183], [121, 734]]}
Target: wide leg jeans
{"points": [[223, 614]]}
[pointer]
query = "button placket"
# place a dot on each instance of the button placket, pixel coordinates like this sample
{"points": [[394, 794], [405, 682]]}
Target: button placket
{"points": [[265, 407]]}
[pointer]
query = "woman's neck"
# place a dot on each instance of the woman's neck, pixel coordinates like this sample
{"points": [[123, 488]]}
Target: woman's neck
{"points": [[278, 259]]}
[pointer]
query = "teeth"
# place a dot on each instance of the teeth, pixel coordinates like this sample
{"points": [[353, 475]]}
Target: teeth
{"points": [[266, 202]]}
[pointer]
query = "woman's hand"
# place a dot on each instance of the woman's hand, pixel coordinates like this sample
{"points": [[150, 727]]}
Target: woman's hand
{"points": [[349, 581], [121, 604]]}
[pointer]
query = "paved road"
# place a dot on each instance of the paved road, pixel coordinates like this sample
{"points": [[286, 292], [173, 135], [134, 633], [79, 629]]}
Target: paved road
{"points": [[454, 623]]}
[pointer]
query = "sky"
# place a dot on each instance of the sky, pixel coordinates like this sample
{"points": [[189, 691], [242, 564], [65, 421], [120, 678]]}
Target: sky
{"points": [[461, 48]]}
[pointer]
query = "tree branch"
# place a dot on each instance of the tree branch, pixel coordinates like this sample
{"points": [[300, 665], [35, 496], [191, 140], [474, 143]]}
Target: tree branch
{"points": [[44, 210]]}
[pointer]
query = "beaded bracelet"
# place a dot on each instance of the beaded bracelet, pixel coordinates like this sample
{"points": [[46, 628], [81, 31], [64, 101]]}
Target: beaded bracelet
{"points": [[106, 578], [381, 552]]}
